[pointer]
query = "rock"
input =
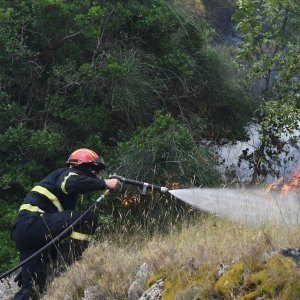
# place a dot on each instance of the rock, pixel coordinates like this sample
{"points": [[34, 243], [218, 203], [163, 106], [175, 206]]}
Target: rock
{"points": [[8, 288], [292, 252], [137, 288], [91, 293], [223, 269], [155, 292]]}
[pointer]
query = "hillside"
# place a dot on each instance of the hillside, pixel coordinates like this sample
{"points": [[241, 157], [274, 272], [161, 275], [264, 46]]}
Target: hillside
{"points": [[113, 78], [212, 258], [157, 88]]}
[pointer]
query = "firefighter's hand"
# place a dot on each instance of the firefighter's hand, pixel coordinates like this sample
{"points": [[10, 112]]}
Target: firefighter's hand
{"points": [[113, 183]]}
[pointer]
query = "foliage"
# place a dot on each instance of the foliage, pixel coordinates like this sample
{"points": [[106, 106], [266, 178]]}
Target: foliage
{"points": [[72, 71], [8, 252], [231, 280], [271, 52], [278, 131], [76, 73], [165, 152], [270, 45]]}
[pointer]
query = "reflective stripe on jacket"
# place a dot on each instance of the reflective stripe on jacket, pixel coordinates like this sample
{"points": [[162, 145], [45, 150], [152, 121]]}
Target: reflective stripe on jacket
{"points": [[59, 190]]}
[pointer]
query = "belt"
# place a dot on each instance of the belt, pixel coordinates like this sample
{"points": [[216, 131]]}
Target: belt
{"points": [[31, 208]]}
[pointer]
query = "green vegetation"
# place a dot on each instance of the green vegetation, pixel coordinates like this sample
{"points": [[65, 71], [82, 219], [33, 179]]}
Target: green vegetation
{"points": [[277, 274], [142, 83], [230, 281], [166, 152], [94, 74], [8, 254], [270, 54]]}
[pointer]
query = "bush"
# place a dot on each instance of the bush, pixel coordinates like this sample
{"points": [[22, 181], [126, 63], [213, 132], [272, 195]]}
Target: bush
{"points": [[164, 153]]}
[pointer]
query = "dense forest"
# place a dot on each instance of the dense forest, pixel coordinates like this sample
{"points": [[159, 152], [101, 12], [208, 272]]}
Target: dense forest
{"points": [[144, 83]]}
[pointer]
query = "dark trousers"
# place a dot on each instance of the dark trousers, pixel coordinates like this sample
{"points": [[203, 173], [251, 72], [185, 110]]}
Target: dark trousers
{"points": [[32, 231]]}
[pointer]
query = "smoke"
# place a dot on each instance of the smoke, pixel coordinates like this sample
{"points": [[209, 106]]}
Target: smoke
{"points": [[251, 205]]}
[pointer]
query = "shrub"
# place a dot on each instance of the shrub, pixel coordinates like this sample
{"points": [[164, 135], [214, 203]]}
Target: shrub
{"points": [[166, 152]]}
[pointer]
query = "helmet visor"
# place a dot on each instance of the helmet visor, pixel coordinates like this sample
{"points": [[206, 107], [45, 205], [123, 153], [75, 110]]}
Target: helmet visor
{"points": [[98, 164]]}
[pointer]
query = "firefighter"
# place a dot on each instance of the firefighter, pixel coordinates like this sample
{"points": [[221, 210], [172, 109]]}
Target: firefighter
{"points": [[48, 209]]}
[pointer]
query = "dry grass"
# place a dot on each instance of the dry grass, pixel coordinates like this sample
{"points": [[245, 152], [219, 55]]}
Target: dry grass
{"points": [[110, 267]]}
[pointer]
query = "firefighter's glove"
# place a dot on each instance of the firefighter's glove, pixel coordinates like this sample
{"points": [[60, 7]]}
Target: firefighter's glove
{"points": [[18, 279]]}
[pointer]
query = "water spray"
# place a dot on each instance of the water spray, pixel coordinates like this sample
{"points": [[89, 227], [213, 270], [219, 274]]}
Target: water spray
{"points": [[244, 204], [256, 205]]}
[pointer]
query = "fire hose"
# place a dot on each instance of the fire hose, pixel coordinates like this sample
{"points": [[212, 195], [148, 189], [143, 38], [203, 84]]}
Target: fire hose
{"points": [[145, 186]]}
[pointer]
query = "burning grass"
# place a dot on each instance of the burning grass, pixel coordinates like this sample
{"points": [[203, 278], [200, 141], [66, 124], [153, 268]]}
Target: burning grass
{"points": [[109, 267]]}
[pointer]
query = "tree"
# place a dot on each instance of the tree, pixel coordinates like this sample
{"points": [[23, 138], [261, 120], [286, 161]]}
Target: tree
{"points": [[75, 73], [270, 53]]}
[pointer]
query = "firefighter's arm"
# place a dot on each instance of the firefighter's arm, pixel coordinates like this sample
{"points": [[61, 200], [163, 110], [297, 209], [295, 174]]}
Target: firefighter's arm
{"points": [[80, 184]]}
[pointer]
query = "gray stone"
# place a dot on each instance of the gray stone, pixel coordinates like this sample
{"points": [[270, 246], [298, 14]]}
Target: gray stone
{"points": [[289, 252], [8, 288], [137, 288], [223, 269], [293, 253], [91, 293], [155, 291]]}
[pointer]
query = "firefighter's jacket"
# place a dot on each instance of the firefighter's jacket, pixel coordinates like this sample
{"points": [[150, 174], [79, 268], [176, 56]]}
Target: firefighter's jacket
{"points": [[45, 213], [59, 190]]}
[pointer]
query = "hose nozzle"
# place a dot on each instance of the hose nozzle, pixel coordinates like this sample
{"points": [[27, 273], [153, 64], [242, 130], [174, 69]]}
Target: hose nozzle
{"points": [[144, 185], [164, 190]]}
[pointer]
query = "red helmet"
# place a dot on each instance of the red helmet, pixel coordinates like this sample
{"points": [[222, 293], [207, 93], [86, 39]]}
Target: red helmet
{"points": [[86, 156]]}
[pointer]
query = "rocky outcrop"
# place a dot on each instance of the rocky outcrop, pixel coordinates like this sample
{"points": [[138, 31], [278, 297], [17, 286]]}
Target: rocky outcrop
{"points": [[292, 252], [137, 291], [274, 275], [137, 288], [91, 293], [155, 291], [8, 288]]}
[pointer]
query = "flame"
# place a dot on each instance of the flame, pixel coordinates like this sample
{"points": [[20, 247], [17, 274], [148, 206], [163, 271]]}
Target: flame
{"points": [[129, 200], [292, 184], [174, 185], [275, 184], [125, 202]]}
